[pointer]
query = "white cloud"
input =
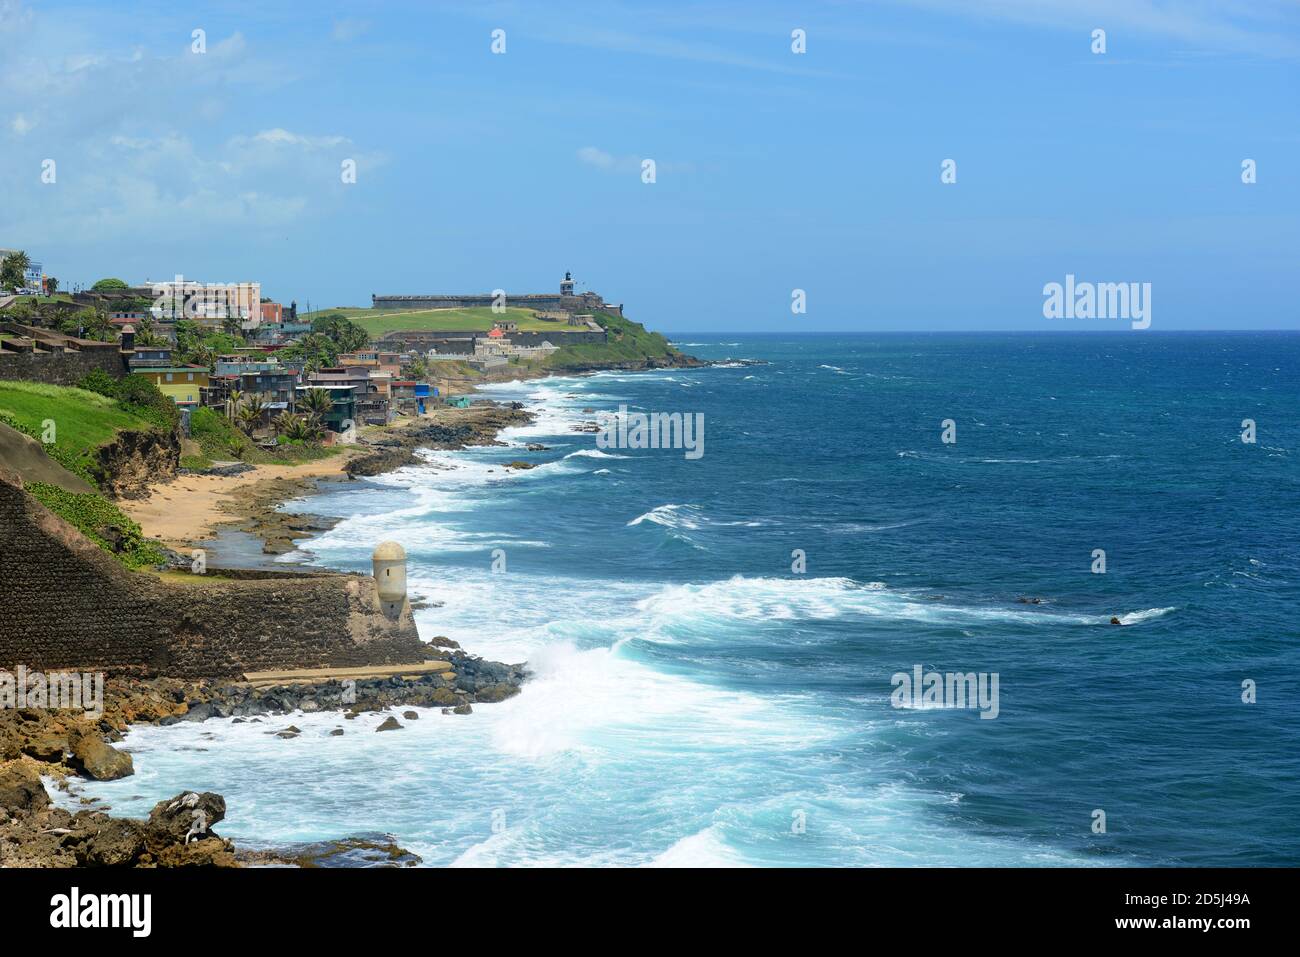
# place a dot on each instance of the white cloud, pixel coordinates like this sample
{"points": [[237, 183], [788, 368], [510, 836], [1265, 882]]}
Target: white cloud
{"points": [[146, 143], [597, 158], [348, 29], [605, 161]]}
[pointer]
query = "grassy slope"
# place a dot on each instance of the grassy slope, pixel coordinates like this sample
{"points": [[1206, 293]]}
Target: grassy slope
{"points": [[628, 342], [477, 319], [90, 514], [83, 420]]}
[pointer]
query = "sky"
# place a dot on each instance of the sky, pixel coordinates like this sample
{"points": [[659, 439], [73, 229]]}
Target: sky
{"points": [[774, 170]]}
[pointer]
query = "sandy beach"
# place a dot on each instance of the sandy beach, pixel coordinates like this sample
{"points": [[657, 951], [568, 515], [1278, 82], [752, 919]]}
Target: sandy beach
{"points": [[189, 508]]}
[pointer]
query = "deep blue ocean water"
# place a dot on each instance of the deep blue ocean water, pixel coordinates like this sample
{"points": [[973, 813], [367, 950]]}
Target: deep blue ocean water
{"points": [[698, 702]]}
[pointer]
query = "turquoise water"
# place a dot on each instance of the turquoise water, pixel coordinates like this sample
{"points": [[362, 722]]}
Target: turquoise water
{"points": [[698, 702]]}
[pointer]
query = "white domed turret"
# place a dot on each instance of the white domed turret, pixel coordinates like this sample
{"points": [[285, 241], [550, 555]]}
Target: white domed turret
{"points": [[390, 577]]}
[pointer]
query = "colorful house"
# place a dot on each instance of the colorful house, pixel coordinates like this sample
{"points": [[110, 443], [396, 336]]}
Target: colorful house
{"points": [[182, 383]]}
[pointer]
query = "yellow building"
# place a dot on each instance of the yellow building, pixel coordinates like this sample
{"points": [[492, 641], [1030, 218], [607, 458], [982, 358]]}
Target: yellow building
{"points": [[182, 383]]}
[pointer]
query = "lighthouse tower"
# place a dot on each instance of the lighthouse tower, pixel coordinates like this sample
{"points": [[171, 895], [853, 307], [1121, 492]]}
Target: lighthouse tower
{"points": [[566, 285]]}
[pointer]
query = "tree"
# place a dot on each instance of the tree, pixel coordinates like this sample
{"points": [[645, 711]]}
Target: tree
{"points": [[230, 325], [51, 285], [13, 271], [416, 369], [235, 397], [316, 403], [314, 348], [296, 427], [250, 413], [346, 335], [108, 285]]}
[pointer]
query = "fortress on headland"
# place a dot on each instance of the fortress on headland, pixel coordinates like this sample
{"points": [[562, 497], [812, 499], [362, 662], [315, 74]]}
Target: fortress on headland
{"points": [[565, 301]]}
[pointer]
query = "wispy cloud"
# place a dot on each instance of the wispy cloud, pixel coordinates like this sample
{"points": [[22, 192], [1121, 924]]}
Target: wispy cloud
{"points": [[607, 162], [1262, 27], [349, 29]]}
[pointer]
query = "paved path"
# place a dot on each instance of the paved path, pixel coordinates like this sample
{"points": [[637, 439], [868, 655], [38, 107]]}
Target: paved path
{"points": [[262, 679]]}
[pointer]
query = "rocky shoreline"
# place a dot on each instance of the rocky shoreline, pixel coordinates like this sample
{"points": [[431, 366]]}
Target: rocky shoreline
{"points": [[257, 511], [39, 743]]}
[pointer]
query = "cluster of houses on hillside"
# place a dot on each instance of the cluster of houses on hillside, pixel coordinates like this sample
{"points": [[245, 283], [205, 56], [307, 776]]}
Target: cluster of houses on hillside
{"points": [[367, 388]]}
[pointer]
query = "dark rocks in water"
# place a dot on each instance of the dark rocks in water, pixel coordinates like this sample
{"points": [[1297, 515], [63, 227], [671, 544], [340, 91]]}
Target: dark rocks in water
{"points": [[520, 464], [537, 447], [390, 724], [1029, 601], [1115, 621], [336, 732], [410, 716], [188, 814], [462, 709], [100, 760], [495, 692], [381, 851]]}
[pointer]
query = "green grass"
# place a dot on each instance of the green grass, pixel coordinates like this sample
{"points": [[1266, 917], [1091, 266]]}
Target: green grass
{"points": [[39, 300], [628, 342], [476, 319], [92, 514], [221, 441], [82, 420]]}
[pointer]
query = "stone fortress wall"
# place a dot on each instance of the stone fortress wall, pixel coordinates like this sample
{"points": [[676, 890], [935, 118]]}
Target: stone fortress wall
{"points": [[65, 604]]}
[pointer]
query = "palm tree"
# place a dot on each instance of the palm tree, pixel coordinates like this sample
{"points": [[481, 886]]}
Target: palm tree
{"points": [[297, 427], [317, 403], [235, 397], [251, 413]]}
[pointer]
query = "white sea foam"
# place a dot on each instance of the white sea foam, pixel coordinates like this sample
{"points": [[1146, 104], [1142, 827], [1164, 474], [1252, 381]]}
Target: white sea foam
{"points": [[1134, 617], [670, 516], [705, 848]]}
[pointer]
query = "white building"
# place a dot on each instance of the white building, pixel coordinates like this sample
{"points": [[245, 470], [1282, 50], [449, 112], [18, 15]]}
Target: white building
{"points": [[208, 304]]}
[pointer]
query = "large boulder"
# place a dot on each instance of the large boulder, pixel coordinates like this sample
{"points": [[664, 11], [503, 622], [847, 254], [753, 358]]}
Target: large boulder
{"points": [[46, 746], [21, 789], [100, 760], [117, 843], [186, 816]]}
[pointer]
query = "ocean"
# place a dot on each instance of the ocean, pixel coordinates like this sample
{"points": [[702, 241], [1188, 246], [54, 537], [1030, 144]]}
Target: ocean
{"points": [[714, 639]]}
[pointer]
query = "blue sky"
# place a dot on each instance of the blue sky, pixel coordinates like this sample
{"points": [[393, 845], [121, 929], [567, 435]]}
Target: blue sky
{"points": [[775, 170]]}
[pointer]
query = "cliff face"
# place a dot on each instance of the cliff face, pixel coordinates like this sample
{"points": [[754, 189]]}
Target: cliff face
{"points": [[125, 467], [69, 605]]}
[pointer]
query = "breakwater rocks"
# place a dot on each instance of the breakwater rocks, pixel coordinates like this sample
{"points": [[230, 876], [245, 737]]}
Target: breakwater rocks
{"points": [[477, 425], [467, 681]]}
